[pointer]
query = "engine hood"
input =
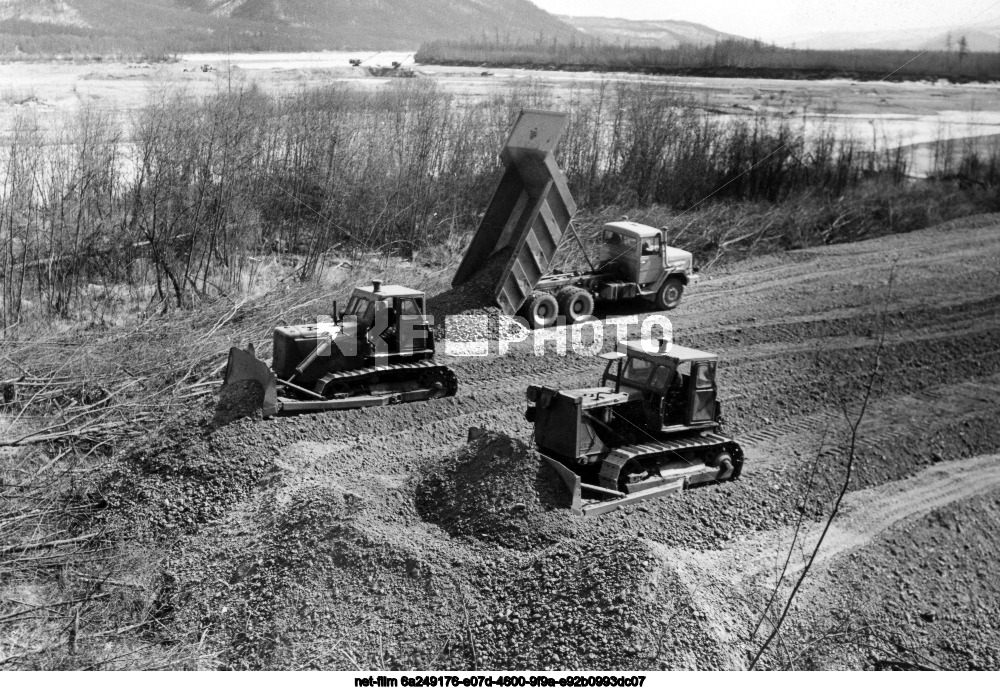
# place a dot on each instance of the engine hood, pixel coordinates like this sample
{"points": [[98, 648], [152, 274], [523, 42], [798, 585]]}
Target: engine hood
{"points": [[673, 254], [602, 397]]}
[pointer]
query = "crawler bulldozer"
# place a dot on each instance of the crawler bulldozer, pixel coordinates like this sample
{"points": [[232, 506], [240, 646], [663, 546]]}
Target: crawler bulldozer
{"points": [[650, 428], [378, 351]]}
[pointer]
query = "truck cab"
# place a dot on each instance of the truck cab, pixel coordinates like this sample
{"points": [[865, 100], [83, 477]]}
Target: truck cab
{"points": [[641, 255]]}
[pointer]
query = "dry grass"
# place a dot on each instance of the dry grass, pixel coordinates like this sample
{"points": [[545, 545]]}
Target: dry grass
{"points": [[188, 201], [72, 596]]}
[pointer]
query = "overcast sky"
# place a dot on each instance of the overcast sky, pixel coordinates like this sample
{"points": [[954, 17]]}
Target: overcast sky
{"points": [[769, 19]]}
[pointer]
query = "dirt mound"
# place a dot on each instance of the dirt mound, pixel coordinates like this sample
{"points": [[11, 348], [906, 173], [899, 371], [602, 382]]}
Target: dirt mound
{"points": [[184, 475], [925, 586], [590, 606], [469, 312], [238, 400], [475, 296], [320, 558], [495, 489]]}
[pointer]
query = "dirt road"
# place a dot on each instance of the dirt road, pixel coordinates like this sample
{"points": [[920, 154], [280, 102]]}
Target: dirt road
{"points": [[335, 554]]}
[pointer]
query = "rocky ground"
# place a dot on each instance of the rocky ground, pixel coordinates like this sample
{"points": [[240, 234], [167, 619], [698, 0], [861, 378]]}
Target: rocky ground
{"points": [[380, 538]]}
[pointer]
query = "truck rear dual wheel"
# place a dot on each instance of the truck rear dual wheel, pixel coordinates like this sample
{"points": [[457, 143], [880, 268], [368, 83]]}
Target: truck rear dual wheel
{"points": [[541, 310], [669, 294], [575, 303]]}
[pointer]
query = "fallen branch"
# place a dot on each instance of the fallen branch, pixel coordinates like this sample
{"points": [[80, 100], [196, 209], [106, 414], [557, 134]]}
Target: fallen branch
{"points": [[43, 545], [90, 598], [99, 634]]}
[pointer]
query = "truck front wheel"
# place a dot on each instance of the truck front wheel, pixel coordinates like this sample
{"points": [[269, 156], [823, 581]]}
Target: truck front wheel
{"points": [[541, 310], [669, 295]]}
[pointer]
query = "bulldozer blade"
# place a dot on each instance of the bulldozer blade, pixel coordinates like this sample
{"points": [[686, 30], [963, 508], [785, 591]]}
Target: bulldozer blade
{"points": [[244, 366], [613, 500], [572, 482]]}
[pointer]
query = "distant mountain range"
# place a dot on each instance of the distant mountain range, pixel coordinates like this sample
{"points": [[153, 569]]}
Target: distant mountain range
{"points": [[648, 33], [176, 26], [195, 25], [983, 37]]}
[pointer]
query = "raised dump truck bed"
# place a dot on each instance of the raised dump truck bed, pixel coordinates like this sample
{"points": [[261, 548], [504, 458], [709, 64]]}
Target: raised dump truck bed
{"points": [[528, 218], [530, 211]]}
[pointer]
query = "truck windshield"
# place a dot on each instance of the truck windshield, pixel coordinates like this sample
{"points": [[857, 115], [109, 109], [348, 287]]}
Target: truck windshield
{"points": [[622, 243]]}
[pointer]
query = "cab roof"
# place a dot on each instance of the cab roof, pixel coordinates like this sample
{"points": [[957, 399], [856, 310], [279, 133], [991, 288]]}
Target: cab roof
{"points": [[633, 229], [674, 352], [387, 291]]}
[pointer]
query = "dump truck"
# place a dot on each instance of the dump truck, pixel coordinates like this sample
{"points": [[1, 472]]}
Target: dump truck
{"points": [[378, 351], [530, 215], [651, 428]]}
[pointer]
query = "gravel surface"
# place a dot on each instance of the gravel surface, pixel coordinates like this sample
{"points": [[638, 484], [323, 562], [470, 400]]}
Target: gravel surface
{"points": [[184, 476], [920, 596], [495, 489], [377, 538], [238, 400]]}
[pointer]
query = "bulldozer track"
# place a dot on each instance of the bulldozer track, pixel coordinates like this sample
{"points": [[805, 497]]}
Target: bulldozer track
{"points": [[654, 448], [421, 367], [616, 461]]}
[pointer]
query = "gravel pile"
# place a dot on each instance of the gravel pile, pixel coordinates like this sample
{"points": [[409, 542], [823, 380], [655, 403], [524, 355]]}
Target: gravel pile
{"points": [[238, 400], [470, 313], [495, 489], [322, 558], [184, 475], [479, 328], [576, 605]]}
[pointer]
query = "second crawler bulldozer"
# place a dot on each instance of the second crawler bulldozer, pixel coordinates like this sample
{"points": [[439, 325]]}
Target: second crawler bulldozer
{"points": [[378, 351], [651, 428]]}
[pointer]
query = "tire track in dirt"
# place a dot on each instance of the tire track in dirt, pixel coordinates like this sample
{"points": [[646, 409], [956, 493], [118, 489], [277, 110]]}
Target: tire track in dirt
{"points": [[934, 246], [886, 421], [867, 513], [716, 580]]}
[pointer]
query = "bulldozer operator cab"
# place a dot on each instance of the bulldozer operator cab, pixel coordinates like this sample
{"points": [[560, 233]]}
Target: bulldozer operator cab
{"points": [[676, 384], [394, 313]]}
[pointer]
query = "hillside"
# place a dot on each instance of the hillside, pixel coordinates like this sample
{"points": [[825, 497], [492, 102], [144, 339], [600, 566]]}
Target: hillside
{"points": [[652, 34], [979, 38], [113, 26]]}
